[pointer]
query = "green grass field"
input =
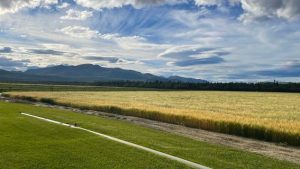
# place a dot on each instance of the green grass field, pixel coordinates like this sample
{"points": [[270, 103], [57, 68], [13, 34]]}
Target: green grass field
{"points": [[30, 143], [4, 87], [265, 116]]}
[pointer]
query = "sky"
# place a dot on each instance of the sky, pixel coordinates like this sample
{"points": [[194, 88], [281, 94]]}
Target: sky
{"points": [[215, 40]]}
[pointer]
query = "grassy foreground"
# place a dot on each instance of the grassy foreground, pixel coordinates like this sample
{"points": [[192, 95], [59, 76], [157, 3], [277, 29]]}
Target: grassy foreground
{"points": [[266, 116], [30, 143]]}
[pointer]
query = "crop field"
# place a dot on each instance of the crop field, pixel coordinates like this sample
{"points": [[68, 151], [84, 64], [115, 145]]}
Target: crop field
{"points": [[26, 142], [266, 116]]}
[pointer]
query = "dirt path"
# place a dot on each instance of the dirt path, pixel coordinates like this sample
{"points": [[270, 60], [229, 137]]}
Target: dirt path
{"points": [[281, 152]]}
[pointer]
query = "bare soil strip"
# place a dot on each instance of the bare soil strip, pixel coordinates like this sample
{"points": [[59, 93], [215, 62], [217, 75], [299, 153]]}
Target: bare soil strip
{"points": [[188, 163], [281, 152]]}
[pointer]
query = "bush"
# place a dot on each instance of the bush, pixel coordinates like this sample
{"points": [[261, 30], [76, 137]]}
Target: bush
{"points": [[47, 100]]}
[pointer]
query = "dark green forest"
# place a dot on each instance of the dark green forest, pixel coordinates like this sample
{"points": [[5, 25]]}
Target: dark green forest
{"points": [[155, 85], [263, 86]]}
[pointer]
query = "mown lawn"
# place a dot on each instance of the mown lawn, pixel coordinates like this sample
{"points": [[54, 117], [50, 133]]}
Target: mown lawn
{"points": [[30, 143]]}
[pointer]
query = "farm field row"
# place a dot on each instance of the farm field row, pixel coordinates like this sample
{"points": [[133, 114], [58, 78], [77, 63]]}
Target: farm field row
{"points": [[31, 143], [266, 116]]}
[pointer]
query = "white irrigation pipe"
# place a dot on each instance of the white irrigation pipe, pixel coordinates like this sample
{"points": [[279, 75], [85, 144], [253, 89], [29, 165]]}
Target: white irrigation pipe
{"points": [[189, 163]]}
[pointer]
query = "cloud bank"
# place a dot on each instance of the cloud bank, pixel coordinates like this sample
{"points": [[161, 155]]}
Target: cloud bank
{"points": [[266, 9], [291, 69], [206, 39], [260, 9], [252, 9], [6, 50], [10, 64], [11, 6]]}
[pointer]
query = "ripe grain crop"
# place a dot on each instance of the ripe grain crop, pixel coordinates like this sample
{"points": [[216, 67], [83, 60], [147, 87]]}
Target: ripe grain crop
{"points": [[265, 116]]}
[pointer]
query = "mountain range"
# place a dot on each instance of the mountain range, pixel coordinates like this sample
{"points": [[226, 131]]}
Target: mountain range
{"points": [[85, 73]]}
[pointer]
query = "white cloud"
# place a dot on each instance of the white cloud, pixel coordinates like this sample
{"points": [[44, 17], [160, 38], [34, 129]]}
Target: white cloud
{"points": [[56, 46], [87, 33], [80, 32], [96, 4], [253, 9], [178, 37], [208, 2], [195, 51], [12, 6], [72, 14], [260, 9], [215, 2], [266, 9], [63, 5]]}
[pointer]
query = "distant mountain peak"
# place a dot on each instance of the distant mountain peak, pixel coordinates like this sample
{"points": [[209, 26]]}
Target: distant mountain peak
{"points": [[94, 73]]}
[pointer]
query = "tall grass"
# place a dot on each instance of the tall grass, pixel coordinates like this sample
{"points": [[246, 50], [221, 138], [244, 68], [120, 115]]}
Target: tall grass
{"points": [[180, 108]]}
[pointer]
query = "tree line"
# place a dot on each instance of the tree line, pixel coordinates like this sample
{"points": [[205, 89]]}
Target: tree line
{"points": [[233, 86], [171, 85]]}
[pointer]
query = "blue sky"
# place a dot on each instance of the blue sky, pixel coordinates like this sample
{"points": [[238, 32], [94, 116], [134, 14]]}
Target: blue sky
{"points": [[216, 40]]}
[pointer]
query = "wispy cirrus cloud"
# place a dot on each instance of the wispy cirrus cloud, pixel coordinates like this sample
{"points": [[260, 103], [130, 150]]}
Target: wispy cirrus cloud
{"points": [[185, 56], [101, 58], [79, 32], [202, 61], [185, 51], [209, 39], [117, 4], [46, 52], [72, 14]]}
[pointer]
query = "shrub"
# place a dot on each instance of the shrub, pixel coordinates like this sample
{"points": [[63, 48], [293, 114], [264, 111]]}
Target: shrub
{"points": [[47, 100]]}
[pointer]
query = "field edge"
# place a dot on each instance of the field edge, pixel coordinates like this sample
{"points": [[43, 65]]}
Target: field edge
{"points": [[232, 128]]}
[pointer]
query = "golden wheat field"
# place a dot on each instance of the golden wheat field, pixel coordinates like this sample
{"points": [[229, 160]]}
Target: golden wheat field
{"points": [[268, 116]]}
